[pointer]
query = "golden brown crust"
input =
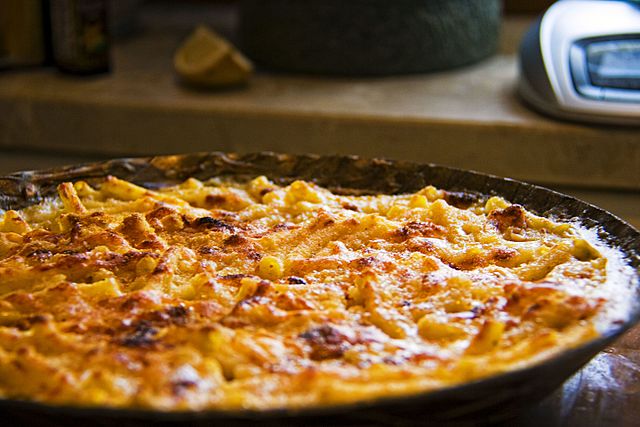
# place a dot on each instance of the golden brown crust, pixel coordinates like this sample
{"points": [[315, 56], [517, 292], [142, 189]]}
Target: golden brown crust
{"points": [[224, 295]]}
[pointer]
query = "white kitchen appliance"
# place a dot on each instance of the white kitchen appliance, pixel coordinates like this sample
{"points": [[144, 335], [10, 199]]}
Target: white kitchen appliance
{"points": [[581, 61]]}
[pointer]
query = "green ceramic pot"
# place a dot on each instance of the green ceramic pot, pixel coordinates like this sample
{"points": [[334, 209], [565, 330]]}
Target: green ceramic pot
{"points": [[368, 37]]}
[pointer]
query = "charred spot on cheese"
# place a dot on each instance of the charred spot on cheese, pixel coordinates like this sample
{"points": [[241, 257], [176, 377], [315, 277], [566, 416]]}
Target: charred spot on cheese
{"points": [[234, 276], [142, 336], [263, 288], [208, 250], [175, 314], [284, 226], [503, 254], [160, 213], [419, 229], [212, 224], [421, 245], [253, 255], [511, 216], [212, 200], [235, 239], [253, 295], [40, 254], [350, 206], [326, 342], [25, 323], [165, 218], [365, 262]]}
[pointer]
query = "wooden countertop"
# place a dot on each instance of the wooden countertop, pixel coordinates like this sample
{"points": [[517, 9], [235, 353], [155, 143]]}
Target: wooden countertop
{"points": [[469, 118]]}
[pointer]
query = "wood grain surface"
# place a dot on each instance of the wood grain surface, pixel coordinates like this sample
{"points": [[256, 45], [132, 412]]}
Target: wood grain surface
{"points": [[606, 392]]}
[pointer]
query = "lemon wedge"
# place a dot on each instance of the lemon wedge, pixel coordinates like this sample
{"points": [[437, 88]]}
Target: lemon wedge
{"points": [[206, 59]]}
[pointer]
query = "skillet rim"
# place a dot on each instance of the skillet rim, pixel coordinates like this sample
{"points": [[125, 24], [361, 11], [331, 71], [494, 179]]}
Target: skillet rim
{"points": [[28, 187]]}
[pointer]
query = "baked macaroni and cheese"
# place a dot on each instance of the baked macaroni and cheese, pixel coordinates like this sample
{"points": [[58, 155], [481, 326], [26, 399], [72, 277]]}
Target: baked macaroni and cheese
{"points": [[226, 295]]}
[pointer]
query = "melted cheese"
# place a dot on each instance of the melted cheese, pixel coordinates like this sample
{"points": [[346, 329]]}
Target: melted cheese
{"points": [[223, 295]]}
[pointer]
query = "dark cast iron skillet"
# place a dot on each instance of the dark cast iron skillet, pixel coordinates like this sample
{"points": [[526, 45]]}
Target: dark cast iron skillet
{"points": [[479, 402]]}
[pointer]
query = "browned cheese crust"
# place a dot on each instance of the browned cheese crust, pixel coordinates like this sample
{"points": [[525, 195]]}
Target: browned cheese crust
{"points": [[224, 295]]}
